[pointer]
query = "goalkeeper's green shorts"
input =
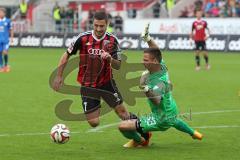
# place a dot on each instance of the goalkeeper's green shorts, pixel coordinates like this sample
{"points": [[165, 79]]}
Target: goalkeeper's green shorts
{"points": [[153, 122]]}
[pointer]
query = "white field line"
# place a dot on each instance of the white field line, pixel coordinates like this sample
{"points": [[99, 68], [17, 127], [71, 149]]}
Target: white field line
{"points": [[110, 125], [212, 112], [28, 134], [4, 135], [99, 129], [224, 126]]}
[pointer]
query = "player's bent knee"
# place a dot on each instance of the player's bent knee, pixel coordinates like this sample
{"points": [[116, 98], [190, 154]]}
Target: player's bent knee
{"points": [[122, 112], [127, 125], [124, 116], [122, 126], [5, 52], [93, 123]]}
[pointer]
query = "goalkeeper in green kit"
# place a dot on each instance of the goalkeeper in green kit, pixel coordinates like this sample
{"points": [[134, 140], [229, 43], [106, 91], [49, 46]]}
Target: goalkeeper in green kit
{"points": [[156, 85]]}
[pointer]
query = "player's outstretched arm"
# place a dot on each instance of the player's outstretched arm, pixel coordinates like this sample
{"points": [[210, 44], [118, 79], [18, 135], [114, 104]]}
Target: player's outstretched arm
{"points": [[143, 79], [147, 38], [58, 81], [152, 44]]}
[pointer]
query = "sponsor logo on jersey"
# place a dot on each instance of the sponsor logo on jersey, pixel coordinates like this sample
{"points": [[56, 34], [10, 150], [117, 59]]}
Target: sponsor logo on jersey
{"points": [[96, 52], [88, 44], [199, 27]]}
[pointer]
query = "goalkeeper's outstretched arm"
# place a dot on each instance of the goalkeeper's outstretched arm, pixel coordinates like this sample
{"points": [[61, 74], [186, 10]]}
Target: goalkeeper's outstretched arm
{"points": [[147, 38], [152, 44]]}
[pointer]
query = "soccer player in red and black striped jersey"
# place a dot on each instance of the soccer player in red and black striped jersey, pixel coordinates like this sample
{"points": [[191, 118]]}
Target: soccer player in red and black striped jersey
{"points": [[99, 52], [95, 69], [199, 35]]}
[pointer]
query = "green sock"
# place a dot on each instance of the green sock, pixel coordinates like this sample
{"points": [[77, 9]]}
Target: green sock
{"points": [[132, 135], [183, 126]]}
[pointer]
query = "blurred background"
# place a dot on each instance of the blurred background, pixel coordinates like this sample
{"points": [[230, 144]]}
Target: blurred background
{"points": [[76, 15]]}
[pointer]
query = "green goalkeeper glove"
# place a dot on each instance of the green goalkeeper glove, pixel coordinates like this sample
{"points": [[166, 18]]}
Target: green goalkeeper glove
{"points": [[145, 34]]}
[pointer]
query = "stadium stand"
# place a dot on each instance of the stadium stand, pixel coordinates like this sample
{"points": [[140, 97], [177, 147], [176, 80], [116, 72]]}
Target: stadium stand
{"points": [[75, 15]]}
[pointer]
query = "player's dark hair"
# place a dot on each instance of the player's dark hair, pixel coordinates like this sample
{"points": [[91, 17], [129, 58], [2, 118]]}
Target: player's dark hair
{"points": [[100, 15], [155, 52]]}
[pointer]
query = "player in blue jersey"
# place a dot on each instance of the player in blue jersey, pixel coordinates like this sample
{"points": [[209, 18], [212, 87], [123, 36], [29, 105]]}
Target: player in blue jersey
{"points": [[5, 32]]}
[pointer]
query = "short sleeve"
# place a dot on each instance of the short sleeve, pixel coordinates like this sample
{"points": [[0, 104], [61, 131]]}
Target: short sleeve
{"points": [[206, 25], [74, 46], [117, 53], [193, 27]]}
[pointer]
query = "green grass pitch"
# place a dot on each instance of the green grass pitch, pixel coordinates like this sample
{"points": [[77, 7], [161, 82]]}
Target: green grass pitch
{"points": [[27, 112]]}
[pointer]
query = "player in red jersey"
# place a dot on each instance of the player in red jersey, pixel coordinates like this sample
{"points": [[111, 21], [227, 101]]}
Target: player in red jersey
{"points": [[199, 35], [95, 70], [99, 52]]}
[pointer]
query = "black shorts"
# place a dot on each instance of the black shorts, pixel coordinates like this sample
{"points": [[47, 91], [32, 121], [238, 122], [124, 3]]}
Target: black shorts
{"points": [[91, 97], [200, 45]]}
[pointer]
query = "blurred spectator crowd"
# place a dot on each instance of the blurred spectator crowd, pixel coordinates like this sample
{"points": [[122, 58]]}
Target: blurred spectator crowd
{"points": [[115, 22], [67, 20], [214, 8]]}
